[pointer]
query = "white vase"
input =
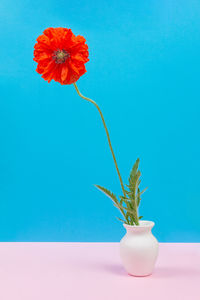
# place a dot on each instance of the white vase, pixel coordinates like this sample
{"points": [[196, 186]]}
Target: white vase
{"points": [[139, 249]]}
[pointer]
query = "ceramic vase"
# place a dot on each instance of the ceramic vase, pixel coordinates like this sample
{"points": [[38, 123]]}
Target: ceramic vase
{"points": [[139, 249]]}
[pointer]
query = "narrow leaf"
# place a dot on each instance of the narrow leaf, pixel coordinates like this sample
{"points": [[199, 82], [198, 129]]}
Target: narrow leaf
{"points": [[120, 219], [108, 193], [143, 191], [112, 197], [134, 171]]}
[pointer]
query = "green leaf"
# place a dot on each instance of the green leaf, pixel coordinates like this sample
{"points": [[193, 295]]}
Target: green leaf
{"points": [[128, 204], [113, 198], [124, 208], [138, 196], [134, 171], [144, 190], [124, 199], [108, 193], [126, 190], [130, 212], [138, 199], [121, 200], [134, 184], [140, 217], [120, 220]]}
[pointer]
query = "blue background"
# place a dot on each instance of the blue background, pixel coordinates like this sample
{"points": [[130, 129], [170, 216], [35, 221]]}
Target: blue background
{"points": [[144, 72]]}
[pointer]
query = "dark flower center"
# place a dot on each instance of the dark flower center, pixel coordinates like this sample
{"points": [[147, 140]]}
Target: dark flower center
{"points": [[60, 56]]}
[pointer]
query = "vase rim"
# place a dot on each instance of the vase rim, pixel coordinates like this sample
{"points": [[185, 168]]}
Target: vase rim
{"points": [[142, 224]]}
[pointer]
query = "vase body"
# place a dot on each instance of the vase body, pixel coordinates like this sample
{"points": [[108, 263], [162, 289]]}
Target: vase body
{"points": [[139, 249]]}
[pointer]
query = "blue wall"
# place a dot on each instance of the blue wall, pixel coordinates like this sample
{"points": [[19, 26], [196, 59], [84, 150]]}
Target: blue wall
{"points": [[144, 72]]}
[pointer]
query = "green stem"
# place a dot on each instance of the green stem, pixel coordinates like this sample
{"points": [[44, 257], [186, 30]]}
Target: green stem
{"points": [[107, 133]]}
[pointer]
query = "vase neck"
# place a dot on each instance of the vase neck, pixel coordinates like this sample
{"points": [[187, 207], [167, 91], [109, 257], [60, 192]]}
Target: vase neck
{"points": [[143, 227]]}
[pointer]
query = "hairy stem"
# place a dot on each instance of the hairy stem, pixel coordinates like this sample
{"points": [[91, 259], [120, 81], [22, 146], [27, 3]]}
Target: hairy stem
{"points": [[107, 133]]}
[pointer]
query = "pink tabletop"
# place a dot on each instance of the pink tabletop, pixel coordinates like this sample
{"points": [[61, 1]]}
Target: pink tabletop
{"points": [[93, 271]]}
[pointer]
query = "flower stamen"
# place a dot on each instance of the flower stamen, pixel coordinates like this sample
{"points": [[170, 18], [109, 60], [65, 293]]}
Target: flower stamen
{"points": [[60, 56]]}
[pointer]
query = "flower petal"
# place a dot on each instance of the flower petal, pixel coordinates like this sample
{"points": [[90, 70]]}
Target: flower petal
{"points": [[64, 72]]}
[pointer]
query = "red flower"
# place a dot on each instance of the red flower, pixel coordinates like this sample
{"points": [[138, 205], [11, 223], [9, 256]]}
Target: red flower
{"points": [[61, 55]]}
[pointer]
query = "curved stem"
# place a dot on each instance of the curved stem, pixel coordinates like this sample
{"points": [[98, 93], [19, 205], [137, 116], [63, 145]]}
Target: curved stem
{"points": [[107, 133]]}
